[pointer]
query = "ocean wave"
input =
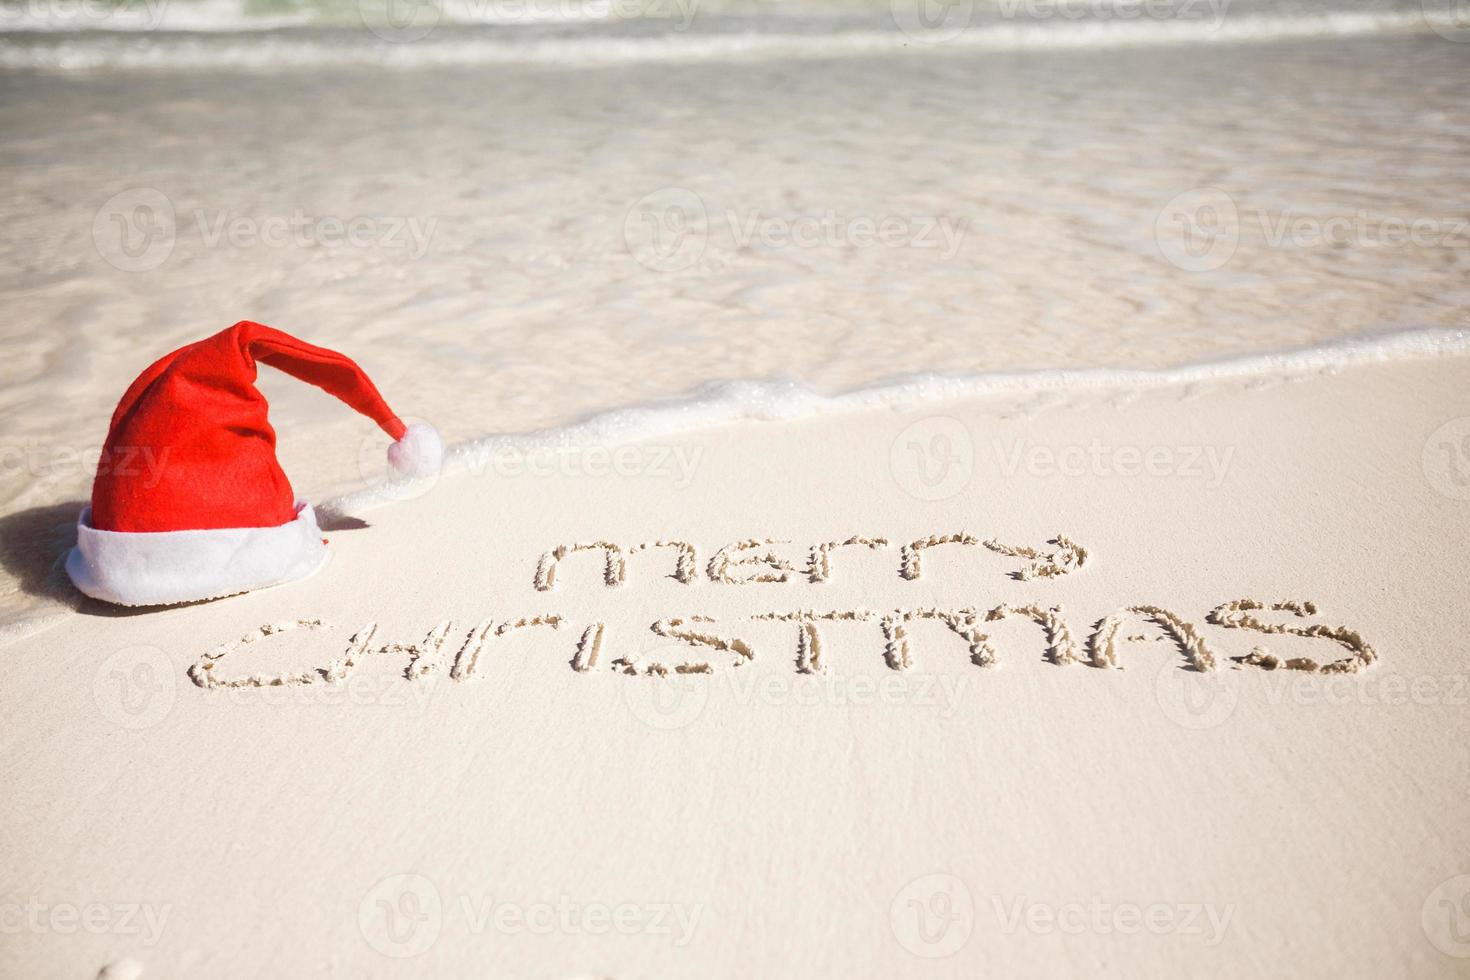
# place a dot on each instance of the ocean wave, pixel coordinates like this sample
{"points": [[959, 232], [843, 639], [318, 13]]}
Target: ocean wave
{"points": [[723, 402], [449, 45]]}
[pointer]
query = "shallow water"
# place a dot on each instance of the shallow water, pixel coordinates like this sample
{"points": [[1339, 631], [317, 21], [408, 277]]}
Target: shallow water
{"points": [[517, 246]]}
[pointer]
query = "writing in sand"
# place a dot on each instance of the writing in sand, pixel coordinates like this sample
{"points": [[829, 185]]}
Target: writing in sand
{"points": [[709, 645]]}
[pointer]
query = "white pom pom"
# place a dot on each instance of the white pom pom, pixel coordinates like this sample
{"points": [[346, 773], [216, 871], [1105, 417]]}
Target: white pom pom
{"points": [[419, 453]]}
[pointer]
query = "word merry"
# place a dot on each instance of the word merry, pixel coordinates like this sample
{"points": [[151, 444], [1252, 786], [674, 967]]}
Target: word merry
{"points": [[757, 560]]}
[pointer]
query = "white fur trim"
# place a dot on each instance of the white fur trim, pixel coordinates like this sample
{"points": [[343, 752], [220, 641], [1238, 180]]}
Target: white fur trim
{"points": [[419, 453], [158, 568]]}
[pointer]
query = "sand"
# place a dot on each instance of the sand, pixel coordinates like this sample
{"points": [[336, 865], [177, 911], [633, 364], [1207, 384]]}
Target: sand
{"points": [[464, 760], [1075, 662]]}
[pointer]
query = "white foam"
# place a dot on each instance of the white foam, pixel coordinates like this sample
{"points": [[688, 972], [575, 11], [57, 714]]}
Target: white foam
{"points": [[722, 402], [116, 50]]}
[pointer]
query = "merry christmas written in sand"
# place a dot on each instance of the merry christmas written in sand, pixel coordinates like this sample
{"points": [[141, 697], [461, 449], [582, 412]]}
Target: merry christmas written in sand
{"points": [[709, 645]]}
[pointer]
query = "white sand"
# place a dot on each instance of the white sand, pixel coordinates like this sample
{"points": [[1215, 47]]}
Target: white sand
{"points": [[447, 795], [1044, 819]]}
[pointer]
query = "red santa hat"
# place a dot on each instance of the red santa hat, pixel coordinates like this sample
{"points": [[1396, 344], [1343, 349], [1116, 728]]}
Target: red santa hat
{"points": [[212, 514]]}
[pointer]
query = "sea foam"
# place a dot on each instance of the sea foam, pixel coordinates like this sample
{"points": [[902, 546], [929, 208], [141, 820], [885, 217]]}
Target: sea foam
{"points": [[769, 400]]}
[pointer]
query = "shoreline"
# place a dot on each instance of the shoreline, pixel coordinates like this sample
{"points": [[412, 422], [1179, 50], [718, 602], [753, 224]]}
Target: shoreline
{"points": [[596, 441]]}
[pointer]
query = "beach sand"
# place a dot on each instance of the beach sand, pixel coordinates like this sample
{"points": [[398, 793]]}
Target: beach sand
{"points": [[436, 789]]}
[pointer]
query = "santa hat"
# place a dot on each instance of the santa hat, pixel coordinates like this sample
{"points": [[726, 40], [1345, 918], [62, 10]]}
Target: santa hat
{"points": [[211, 513]]}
